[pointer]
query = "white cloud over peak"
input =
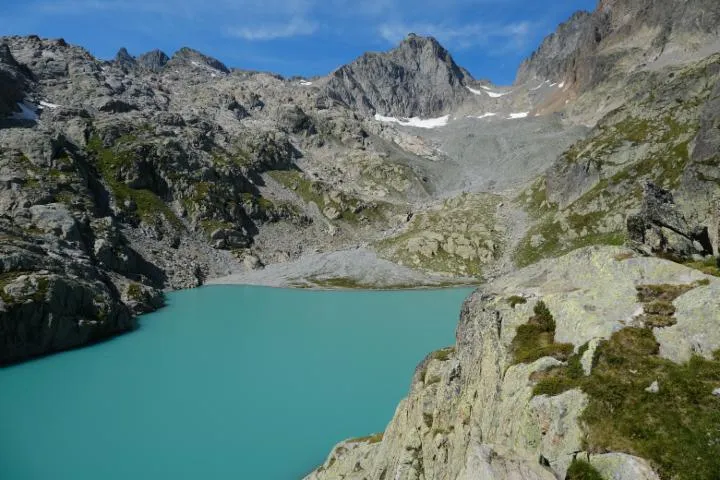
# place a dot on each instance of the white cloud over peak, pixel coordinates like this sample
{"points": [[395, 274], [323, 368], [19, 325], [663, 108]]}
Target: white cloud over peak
{"points": [[502, 37], [270, 31]]}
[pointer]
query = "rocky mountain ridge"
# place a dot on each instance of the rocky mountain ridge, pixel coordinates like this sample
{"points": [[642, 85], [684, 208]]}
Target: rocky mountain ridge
{"points": [[121, 179]]}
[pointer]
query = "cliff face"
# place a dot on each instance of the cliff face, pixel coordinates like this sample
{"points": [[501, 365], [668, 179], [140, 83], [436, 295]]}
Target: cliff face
{"points": [[621, 36], [473, 412]]}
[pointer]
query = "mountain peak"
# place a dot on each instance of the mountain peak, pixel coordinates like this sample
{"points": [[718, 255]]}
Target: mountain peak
{"points": [[418, 78], [188, 55], [124, 59], [154, 60]]}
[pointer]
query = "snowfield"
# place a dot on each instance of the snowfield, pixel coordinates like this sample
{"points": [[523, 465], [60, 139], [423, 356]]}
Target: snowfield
{"points": [[488, 91], [415, 121]]}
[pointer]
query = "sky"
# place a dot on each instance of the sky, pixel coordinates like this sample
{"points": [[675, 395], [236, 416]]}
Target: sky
{"points": [[298, 37]]}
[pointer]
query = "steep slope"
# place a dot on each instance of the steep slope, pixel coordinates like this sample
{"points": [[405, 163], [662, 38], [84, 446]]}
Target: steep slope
{"points": [[419, 78], [664, 135]]}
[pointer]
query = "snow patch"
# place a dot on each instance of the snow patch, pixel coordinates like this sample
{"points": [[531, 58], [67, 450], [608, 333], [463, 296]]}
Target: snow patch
{"points": [[213, 71], [305, 83], [497, 94], [26, 113], [46, 104], [518, 115], [562, 85], [540, 86], [415, 121], [488, 91], [486, 115]]}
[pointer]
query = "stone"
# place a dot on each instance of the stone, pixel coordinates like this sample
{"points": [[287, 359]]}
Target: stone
{"points": [[664, 229], [331, 213], [653, 388], [252, 262]]}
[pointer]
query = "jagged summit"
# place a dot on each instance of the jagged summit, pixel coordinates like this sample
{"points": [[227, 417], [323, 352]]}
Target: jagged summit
{"points": [[154, 60], [418, 78], [124, 59], [187, 55]]}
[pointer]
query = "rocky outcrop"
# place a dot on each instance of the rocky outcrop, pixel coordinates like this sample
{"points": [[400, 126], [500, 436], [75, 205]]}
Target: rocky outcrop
{"points": [[124, 60], [471, 411], [660, 228], [12, 82], [419, 78]]}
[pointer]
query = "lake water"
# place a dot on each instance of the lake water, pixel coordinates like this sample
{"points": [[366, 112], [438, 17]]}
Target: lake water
{"points": [[227, 382]]}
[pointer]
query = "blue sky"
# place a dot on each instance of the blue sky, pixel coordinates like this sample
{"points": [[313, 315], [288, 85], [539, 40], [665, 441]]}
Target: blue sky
{"points": [[298, 37]]}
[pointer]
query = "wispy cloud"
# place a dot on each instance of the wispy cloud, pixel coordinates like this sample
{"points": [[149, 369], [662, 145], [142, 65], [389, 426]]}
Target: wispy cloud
{"points": [[293, 28], [502, 37]]}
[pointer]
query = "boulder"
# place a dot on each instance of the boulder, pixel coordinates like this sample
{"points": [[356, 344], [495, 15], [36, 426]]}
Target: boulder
{"points": [[661, 228]]}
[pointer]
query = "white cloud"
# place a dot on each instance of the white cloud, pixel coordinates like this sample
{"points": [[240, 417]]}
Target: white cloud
{"points": [[502, 37], [295, 27]]}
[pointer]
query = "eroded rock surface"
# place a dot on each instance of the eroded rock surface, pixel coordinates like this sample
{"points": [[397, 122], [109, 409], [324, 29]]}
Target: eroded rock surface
{"points": [[471, 411]]}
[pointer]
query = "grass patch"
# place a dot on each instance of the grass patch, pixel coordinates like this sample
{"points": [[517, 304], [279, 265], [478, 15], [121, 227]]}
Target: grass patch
{"points": [[536, 338], [709, 266], [552, 243], [374, 438], [677, 429]]}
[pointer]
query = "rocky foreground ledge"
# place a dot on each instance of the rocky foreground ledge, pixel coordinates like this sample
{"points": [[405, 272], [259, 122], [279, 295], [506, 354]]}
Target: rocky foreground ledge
{"points": [[599, 362]]}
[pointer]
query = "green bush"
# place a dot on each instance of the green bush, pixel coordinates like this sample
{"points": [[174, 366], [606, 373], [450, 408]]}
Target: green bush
{"points": [[582, 470]]}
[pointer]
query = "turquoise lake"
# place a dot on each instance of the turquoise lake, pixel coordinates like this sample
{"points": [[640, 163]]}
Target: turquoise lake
{"points": [[227, 382]]}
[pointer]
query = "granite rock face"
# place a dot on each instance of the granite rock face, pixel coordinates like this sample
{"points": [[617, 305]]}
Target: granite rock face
{"points": [[419, 78]]}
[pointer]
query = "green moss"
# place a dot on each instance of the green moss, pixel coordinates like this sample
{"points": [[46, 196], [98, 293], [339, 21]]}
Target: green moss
{"points": [[374, 438], [582, 470], [306, 189], [535, 200], [536, 338], [677, 428], [134, 292], [443, 354], [109, 161], [64, 197], [211, 225]]}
